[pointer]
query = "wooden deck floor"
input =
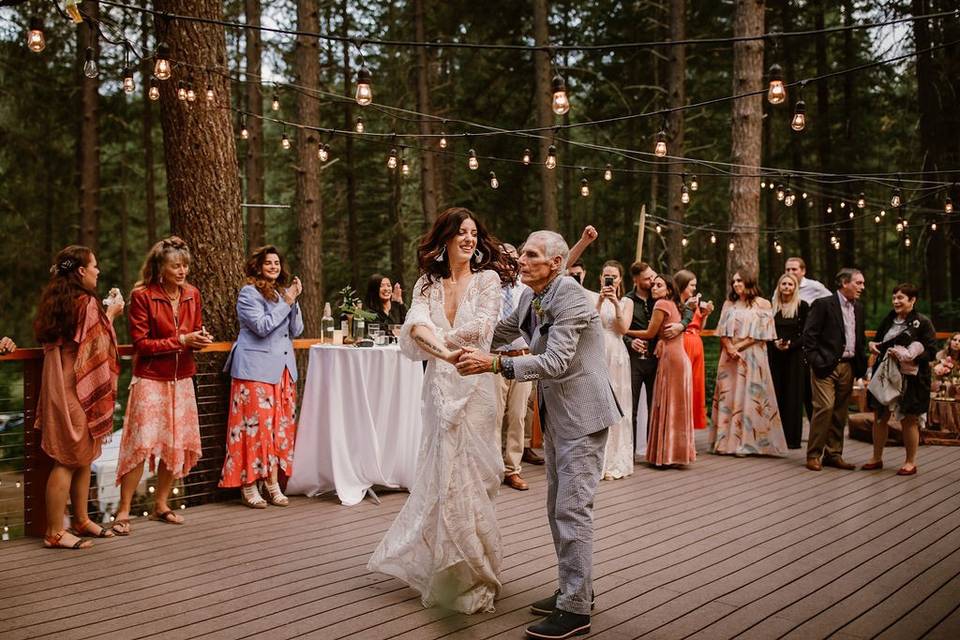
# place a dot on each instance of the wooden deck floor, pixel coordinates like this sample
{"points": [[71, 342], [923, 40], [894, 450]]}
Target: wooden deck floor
{"points": [[751, 548]]}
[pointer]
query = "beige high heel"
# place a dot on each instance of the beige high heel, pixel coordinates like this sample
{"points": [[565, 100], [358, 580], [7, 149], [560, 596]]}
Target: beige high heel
{"points": [[275, 496]]}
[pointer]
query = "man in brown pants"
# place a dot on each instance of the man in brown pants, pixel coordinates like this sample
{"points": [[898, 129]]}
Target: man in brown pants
{"points": [[835, 347]]}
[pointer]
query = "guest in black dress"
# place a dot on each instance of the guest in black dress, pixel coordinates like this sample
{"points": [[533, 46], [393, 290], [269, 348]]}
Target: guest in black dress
{"points": [[787, 366], [385, 300]]}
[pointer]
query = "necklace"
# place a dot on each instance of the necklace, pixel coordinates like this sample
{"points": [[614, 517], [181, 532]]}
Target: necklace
{"points": [[172, 298]]}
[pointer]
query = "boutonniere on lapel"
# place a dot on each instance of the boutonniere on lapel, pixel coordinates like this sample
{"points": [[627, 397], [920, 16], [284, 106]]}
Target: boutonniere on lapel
{"points": [[537, 308], [915, 324]]}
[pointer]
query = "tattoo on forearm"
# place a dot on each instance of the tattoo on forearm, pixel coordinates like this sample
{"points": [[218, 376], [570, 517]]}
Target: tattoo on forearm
{"points": [[428, 346]]}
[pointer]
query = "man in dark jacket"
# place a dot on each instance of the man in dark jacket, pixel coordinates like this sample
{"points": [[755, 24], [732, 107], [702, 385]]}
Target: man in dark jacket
{"points": [[834, 344]]}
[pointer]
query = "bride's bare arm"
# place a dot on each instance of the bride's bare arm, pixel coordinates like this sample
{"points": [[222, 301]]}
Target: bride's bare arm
{"points": [[427, 340]]}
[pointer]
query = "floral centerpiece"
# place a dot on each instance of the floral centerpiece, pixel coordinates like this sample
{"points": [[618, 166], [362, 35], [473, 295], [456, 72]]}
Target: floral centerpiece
{"points": [[946, 376], [352, 306]]}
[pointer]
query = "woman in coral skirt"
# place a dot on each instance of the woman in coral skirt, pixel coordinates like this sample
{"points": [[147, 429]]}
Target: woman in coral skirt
{"points": [[693, 344]]}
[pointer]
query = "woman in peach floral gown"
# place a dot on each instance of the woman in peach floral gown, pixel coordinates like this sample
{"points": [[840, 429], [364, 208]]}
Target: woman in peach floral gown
{"points": [[746, 419]]}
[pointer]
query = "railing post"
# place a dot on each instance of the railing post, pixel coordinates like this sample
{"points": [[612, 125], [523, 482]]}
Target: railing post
{"points": [[37, 464]]}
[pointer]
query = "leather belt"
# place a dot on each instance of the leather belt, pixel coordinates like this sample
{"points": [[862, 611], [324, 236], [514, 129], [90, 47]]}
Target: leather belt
{"points": [[514, 353]]}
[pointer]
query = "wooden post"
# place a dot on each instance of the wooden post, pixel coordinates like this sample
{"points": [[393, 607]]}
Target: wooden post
{"points": [[37, 464], [643, 224]]}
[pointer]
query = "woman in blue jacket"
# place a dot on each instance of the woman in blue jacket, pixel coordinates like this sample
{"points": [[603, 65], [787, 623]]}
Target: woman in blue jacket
{"points": [[261, 426]]}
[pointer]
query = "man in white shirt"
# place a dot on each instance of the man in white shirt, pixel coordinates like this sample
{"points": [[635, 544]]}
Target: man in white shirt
{"points": [[513, 396], [810, 290]]}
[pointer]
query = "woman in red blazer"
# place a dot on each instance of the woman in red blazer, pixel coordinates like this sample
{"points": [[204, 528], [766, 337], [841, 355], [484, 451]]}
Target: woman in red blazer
{"points": [[161, 422]]}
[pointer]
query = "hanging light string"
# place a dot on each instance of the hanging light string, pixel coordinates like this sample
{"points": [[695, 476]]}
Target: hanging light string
{"points": [[437, 44]]}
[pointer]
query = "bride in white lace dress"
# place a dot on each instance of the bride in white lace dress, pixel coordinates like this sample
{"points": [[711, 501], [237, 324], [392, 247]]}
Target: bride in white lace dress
{"points": [[445, 543]]}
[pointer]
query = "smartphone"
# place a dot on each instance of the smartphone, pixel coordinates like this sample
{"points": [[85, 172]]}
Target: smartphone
{"points": [[608, 281]]}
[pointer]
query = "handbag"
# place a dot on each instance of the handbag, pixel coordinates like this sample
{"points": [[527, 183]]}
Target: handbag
{"points": [[886, 385]]}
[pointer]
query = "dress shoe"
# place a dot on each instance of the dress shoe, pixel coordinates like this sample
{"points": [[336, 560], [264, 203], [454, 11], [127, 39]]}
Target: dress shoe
{"points": [[872, 466], [560, 624], [514, 481], [546, 606], [839, 463], [814, 464], [530, 456], [903, 471]]}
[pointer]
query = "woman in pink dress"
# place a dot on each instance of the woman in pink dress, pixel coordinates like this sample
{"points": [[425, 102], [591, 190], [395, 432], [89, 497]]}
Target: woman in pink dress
{"points": [[746, 419], [693, 344], [161, 423], [670, 430], [78, 390]]}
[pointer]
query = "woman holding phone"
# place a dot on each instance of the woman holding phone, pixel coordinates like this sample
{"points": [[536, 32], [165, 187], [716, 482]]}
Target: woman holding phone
{"points": [[161, 423], [261, 425]]}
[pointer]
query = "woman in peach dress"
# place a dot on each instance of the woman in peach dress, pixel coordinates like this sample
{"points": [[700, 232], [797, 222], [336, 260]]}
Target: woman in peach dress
{"points": [[78, 390], [746, 419], [671, 419]]}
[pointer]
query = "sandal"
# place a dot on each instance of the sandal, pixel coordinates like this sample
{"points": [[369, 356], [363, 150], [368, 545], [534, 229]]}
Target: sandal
{"points": [[275, 496], [121, 527], [250, 496], [90, 529], [55, 542], [167, 516]]}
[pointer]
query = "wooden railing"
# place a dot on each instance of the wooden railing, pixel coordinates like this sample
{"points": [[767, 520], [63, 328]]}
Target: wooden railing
{"points": [[24, 512]]}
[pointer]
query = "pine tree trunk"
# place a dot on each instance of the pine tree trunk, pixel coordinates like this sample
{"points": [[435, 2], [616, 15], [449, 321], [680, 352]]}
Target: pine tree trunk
{"points": [[146, 135], [848, 236], [429, 180], [677, 97], [309, 205], [353, 242], [203, 184], [88, 152], [824, 144], [253, 164], [542, 71], [747, 122], [796, 146]]}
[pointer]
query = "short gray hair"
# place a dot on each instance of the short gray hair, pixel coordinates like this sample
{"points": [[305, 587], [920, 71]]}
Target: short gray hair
{"points": [[845, 275], [553, 245]]}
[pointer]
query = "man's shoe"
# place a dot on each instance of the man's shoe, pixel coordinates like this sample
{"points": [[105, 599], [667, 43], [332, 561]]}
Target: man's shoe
{"points": [[560, 624], [530, 456], [814, 464], [839, 463], [546, 606], [514, 481]]}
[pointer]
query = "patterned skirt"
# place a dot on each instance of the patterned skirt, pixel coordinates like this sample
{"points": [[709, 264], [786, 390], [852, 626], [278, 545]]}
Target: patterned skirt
{"points": [[161, 422], [261, 430]]}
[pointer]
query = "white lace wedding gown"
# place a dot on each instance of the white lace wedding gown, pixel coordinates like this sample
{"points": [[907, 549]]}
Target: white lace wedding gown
{"points": [[445, 543], [618, 455]]}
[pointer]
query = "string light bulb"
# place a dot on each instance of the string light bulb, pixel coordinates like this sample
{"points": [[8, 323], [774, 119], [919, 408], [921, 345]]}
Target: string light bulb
{"points": [[584, 188], [658, 229], [660, 148], [181, 91], [906, 240], [244, 132], [494, 183], [162, 68], [777, 91], [851, 214], [789, 197], [210, 94], [560, 104], [323, 152], [799, 121], [900, 226], [861, 201], [948, 205], [933, 226], [358, 126], [285, 141], [90, 65], [694, 184], [154, 91], [713, 238], [684, 193], [364, 95], [275, 103], [36, 41], [781, 193], [763, 184], [551, 161], [392, 159], [404, 167], [731, 246], [608, 173], [191, 94], [896, 199], [683, 241], [527, 157], [876, 219], [882, 213], [443, 140], [829, 208], [843, 204], [472, 161], [129, 86]]}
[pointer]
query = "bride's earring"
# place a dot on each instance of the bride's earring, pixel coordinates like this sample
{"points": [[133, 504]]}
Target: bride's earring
{"points": [[439, 257], [477, 255]]}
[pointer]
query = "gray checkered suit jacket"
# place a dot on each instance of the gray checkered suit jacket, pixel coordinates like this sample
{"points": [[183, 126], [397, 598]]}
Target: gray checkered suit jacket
{"points": [[567, 356]]}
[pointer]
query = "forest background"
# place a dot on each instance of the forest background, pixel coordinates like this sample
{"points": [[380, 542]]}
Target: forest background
{"points": [[81, 160]]}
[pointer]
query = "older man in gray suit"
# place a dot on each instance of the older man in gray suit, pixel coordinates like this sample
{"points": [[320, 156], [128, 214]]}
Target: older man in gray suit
{"points": [[577, 406]]}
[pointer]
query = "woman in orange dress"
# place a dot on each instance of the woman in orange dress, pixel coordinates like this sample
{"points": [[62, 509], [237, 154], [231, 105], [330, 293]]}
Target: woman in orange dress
{"points": [[687, 285], [670, 431], [78, 389]]}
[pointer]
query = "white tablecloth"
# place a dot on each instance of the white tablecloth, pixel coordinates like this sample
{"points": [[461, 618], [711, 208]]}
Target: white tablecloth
{"points": [[359, 422]]}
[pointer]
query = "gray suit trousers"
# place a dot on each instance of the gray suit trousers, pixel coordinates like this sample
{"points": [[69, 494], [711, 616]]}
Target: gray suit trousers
{"points": [[573, 473]]}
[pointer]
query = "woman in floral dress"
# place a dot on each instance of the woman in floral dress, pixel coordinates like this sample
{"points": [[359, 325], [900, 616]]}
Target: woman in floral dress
{"points": [[746, 419]]}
